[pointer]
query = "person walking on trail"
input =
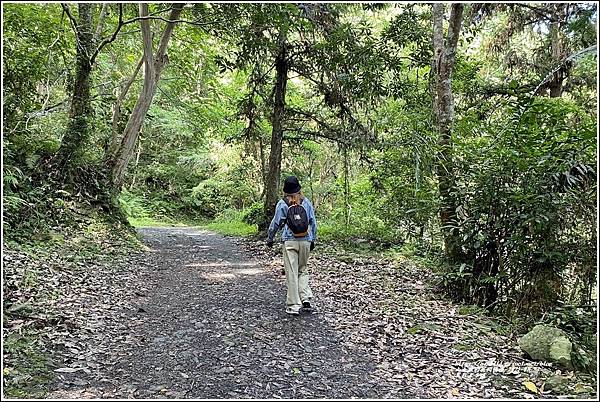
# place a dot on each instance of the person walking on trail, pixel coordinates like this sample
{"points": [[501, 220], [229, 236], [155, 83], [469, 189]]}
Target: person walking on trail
{"points": [[295, 213]]}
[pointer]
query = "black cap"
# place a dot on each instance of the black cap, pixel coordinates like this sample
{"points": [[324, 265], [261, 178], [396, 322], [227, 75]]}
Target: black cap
{"points": [[291, 185]]}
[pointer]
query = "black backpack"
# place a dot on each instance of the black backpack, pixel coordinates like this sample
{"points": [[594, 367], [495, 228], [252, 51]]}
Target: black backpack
{"points": [[297, 220]]}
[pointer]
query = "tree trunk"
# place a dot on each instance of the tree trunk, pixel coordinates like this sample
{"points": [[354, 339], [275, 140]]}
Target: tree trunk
{"points": [[556, 83], [445, 56], [274, 173], [263, 163], [310, 177], [153, 66], [137, 162], [116, 116], [78, 130], [347, 205]]}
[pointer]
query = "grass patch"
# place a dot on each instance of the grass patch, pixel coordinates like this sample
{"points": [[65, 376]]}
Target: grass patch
{"points": [[232, 228], [421, 328], [328, 232], [27, 373], [165, 221], [222, 225], [152, 222], [415, 252], [471, 310]]}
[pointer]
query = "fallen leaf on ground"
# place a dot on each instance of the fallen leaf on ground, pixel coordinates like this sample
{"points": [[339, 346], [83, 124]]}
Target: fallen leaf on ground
{"points": [[530, 386]]}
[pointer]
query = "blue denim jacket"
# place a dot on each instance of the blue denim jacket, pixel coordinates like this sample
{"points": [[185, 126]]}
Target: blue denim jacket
{"points": [[280, 214]]}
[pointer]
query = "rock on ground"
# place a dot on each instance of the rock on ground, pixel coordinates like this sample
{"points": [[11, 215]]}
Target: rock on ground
{"points": [[547, 344]]}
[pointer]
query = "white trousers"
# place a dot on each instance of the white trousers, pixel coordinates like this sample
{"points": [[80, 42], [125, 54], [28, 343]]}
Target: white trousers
{"points": [[295, 259]]}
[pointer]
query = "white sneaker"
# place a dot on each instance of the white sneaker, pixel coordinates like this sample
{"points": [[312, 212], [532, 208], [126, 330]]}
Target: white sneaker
{"points": [[292, 312]]}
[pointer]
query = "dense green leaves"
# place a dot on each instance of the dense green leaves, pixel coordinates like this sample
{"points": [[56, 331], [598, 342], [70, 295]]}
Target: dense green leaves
{"points": [[524, 183], [36, 58]]}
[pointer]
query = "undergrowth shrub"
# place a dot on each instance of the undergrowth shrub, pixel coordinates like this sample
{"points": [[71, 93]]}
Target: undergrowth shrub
{"points": [[254, 214], [526, 216]]}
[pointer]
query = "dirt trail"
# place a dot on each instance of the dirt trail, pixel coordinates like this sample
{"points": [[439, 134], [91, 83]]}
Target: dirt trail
{"points": [[203, 316], [210, 323]]}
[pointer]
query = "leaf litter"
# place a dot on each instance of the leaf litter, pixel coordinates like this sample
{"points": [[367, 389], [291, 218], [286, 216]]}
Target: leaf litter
{"points": [[197, 314]]}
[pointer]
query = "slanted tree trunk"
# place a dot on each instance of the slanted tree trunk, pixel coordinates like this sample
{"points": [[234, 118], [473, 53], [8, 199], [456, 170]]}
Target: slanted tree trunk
{"points": [[137, 162], [153, 67], [117, 130], [274, 172], [444, 59], [78, 130]]}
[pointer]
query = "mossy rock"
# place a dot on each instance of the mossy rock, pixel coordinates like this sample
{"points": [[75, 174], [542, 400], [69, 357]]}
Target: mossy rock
{"points": [[548, 344], [560, 351]]}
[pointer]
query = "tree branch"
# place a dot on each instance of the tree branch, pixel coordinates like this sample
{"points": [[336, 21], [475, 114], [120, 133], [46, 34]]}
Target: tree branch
{"points": [[73, 21], [543, 14], [312, 135], [322, 124], [100, 25], [173, 18], [67, 11], [111, 38], [166, 36], [147, 41], [454, 29], [122, 94]]}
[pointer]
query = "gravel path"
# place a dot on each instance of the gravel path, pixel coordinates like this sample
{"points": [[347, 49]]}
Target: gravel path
{"points": [[210, 322], [198, 315]]}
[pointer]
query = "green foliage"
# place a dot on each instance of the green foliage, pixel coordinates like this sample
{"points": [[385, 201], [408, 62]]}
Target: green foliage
{"points": [[213, 195], [409, 31], [403, 179], [33, 53], [229, 222], [31, 375], [133, 205], [526, 183], [254, 214]]}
